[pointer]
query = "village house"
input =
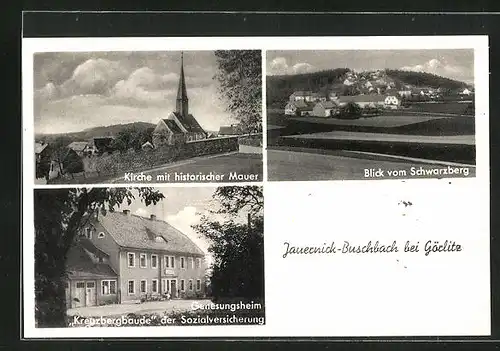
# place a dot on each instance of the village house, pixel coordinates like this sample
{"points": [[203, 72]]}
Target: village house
{"points": [[80, 147], [129, 258], [147, 146], [325, 109], [370, 100], [298, 108], [180, 126], [299, 96], [41, 151]]}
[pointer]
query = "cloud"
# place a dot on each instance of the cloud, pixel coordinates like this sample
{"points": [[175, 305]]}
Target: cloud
{"points": [[441, 68], [94, 76], [280, 66], [302, 67]]}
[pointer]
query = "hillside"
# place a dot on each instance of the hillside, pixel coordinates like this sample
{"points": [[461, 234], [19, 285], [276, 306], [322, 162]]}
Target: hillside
{"points": [[344, 81], [421, 79], [90, 133]]}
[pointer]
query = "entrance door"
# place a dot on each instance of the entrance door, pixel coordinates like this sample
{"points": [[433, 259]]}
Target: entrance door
{"points": [[78, 300], [91, 294], [173, 288]]}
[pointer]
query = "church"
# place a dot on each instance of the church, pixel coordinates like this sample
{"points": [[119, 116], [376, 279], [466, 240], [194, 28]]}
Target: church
{"points": [[180, 126]]}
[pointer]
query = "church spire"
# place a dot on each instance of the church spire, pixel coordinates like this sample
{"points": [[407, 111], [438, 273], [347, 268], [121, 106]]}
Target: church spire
{"points": [[181, 105]]}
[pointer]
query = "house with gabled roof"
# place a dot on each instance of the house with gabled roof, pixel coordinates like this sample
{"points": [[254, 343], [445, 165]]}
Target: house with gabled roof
{"points": [[149, 256], [298, 108], [80, 147], [91, 280], [325, 109], [180, 126]]}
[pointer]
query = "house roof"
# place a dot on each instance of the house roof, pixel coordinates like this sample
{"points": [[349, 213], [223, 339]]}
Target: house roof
{"points": [[137, 232], [328, 104], [147, 143], [362, 98], [190, 123], [228, 130], [40, 147], [90, 247], [78, 145], [172, 126], [80, 265]]}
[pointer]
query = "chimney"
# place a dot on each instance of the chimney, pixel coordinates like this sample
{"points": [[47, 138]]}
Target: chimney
{"points": [[127, 212], [153, 217]]}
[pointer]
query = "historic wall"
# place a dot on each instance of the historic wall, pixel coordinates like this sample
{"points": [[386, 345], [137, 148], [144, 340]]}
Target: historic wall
{"points": [[117, 163]]}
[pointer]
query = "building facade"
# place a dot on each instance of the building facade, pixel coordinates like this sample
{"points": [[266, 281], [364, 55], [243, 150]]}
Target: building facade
{"points": [[180, 126], [149, 258]]}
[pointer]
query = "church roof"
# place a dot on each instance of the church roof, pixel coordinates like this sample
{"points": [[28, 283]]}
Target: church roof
{"points": [[172, 125], [190, 123]]}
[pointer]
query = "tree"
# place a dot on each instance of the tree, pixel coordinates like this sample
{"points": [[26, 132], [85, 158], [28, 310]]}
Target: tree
{"points": [[350, 110], [239, 73], [132, 138], [59, 215], [237, 246]]}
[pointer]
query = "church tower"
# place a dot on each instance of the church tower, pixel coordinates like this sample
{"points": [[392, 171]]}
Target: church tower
{"points": [[181, 105]]}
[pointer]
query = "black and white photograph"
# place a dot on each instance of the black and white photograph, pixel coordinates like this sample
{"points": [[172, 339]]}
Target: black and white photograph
{"points": [[124, 257], [370, 114], [147, 116]]}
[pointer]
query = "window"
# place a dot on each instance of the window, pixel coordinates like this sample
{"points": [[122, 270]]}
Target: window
{"points": [[108, 287], [183, 288], [191, 263], [198, 284], [80, 285], [131, 287], [183, 263], [169, 261], [91, 285], [131, 259], [144, 286], [154, 261], [87, 232], [164, 285], [154, 285], [66, 285], [101, 235], [198, 262], [143, 261], [190, 284]]}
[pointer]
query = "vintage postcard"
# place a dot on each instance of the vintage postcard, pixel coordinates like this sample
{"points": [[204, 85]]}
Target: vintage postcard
{"points": [[371, 113], [162, 116], [146, 162]]}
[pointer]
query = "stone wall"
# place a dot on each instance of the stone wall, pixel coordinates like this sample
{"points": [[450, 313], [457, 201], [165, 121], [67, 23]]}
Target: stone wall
{"points": [[147, 159]]}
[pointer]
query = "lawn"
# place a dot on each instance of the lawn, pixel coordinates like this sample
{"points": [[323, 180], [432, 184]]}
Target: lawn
{"points": [[307, 165]]}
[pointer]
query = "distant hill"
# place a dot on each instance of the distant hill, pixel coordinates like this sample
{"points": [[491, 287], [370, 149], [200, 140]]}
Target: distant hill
{"points": [[422, 79], [90, 133], [279, 88]]}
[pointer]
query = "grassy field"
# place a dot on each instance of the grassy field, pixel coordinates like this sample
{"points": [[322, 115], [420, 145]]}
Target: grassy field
{"points": [[305, 165], [390, 124]]}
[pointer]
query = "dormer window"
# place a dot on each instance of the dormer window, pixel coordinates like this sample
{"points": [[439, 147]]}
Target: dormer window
{"points": [[101, 235], [159, 239]]}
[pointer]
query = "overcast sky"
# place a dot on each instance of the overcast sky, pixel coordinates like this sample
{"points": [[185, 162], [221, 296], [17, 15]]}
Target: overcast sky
{"points": [[75, 91], [456, 64]]}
